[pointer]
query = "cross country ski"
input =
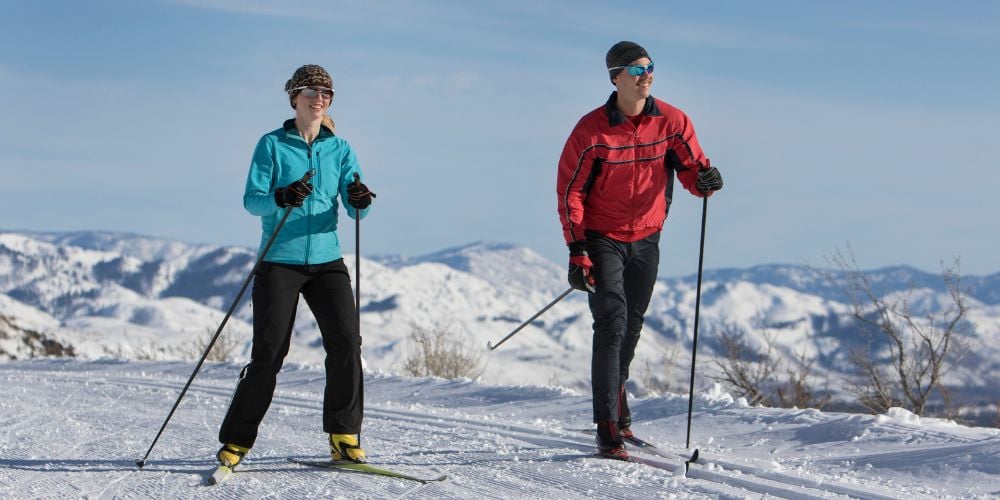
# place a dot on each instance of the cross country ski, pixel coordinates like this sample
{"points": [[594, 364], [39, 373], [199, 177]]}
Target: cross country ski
{"points": [[366, 468]]}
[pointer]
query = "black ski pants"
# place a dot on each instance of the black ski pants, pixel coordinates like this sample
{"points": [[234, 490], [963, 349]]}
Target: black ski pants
{"points": [[625, 274], [327, 290]]}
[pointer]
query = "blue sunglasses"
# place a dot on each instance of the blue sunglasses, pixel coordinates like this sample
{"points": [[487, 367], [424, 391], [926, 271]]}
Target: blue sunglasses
{"points": [[635, 70]]}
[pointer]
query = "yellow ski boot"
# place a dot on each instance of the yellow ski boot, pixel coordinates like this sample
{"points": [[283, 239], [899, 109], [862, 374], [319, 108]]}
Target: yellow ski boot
{"points": [[346, 448], [229, 456]]}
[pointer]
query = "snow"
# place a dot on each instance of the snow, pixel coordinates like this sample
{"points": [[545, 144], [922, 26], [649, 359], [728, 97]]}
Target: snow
{"points": [[26, 316], [74, 428]]}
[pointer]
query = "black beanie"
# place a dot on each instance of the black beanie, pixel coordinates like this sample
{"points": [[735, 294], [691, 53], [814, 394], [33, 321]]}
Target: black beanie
{"points": [[622, 54]]}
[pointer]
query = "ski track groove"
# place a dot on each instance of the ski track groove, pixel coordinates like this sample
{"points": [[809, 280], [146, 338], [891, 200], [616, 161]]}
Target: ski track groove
{"points": [[522, 433], [511, 486], [512, 482], [749, 478], [531, 436], [787, 479], [768, 483], [501, 472]]}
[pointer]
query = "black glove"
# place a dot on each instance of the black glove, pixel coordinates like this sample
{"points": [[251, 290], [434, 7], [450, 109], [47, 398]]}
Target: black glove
{"points": [[293, 194], [358, 194], [579, 267], [708, 181]]}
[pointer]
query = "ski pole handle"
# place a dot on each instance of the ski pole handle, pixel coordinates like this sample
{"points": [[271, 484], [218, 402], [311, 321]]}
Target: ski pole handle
{"points": [[492, 347], [357, 182]]}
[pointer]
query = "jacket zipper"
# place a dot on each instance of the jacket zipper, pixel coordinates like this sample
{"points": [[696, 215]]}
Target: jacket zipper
{"points": [[308, 205]]}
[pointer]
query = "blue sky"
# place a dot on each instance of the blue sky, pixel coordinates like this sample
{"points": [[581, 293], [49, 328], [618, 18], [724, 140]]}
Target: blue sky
{"points": [[869, 123]]}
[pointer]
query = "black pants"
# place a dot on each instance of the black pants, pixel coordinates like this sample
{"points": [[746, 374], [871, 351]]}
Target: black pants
{"points": [[327, 290], [625, 274]]}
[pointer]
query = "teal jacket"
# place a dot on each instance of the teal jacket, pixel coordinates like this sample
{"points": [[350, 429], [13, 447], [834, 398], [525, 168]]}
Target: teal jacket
{"points": [[309, 235]]}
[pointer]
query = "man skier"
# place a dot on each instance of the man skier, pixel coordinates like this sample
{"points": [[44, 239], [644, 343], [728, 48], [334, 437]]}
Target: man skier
{"points": [[614, 187]]}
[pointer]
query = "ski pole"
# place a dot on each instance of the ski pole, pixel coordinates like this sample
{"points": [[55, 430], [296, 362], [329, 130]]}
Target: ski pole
{"points": [[236, 301], [490, 345], [357, 255], [357, 260], [694, 347]]}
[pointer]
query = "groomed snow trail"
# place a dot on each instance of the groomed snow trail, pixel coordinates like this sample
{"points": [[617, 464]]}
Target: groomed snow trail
{"points": [[75, 429]]}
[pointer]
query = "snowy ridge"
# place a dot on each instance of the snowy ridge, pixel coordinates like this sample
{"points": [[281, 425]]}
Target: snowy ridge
{"points": [[509, 268], [137, 297], [493, 442]]}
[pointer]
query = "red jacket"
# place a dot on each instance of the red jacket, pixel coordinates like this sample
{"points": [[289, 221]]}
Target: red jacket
{"points": [[617, 179]]}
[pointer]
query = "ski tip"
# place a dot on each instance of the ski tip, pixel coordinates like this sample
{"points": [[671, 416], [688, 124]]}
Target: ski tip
{"points": [[428, 480], [220, 475]]}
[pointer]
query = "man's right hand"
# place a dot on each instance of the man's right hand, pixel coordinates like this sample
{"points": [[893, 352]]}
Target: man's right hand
{"points": [[293, 194], [709, 181], [579, 267]]}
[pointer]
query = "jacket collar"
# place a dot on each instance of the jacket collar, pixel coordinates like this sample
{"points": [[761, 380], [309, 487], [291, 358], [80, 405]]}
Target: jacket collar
{"points": [[324, 129], [616, 117]]}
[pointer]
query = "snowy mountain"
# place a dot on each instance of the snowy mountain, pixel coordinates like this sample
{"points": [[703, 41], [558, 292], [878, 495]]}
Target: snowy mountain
{"points": [[126, 296]]}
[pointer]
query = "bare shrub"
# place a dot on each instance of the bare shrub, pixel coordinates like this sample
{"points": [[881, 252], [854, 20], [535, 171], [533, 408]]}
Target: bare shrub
{"points": [[659, 380], [436, 352], [746, 370], [919, 350], [223, 348], [753, 372], [797, 392], [138, 351]]}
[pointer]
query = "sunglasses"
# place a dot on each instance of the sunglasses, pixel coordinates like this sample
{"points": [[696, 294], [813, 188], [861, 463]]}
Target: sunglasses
{"points": [[635, 70], [311, 92]]}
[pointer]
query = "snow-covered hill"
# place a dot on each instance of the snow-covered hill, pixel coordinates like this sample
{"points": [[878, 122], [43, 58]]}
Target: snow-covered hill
{"points": [[74, 429], [120, 295]]}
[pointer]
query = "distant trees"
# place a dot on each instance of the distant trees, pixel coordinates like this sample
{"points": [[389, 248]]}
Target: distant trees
{"points": [[906, 355]]}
